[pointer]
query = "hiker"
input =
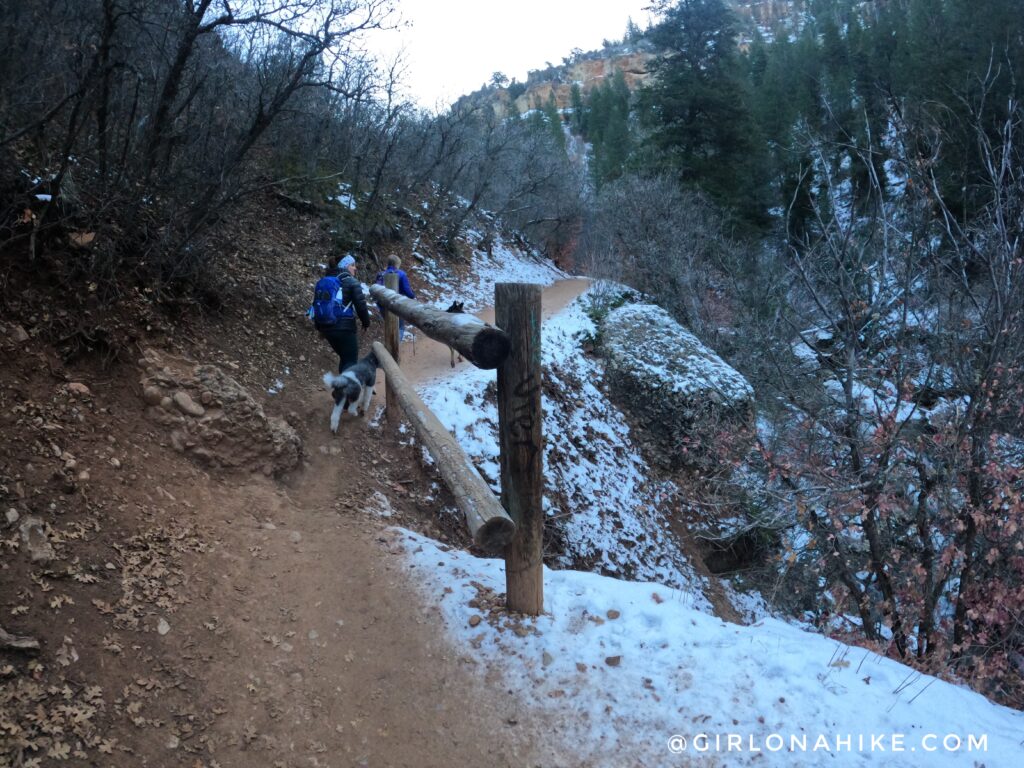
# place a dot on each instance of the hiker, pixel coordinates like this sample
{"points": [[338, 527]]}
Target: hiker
{"points": [[337, 301], [403, 288]]}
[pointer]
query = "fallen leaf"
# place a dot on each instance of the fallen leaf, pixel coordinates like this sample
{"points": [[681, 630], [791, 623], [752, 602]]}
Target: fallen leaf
{"points": [[59, 750], [81, 239], [105, 608]]}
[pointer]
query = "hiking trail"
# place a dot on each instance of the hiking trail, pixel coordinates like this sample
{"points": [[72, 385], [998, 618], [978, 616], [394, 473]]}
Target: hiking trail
{"points": [[321, 650]]}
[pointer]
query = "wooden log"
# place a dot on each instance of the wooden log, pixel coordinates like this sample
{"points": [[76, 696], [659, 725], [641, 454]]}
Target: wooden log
{"points": [[392, 342], [481, 343], [517, 310], [489, 524]]}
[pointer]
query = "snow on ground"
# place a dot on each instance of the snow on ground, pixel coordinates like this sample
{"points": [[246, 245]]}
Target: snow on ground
{"points": [[640, 673], [344, 197], [506, 263], [278, 385], [631, 674], [609, 514]]}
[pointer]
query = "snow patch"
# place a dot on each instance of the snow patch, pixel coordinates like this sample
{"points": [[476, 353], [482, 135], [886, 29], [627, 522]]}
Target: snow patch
{"points": [[622, 667]]}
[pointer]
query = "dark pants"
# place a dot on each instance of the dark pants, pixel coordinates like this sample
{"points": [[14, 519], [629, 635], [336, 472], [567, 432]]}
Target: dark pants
{"points": [[345, 344]]}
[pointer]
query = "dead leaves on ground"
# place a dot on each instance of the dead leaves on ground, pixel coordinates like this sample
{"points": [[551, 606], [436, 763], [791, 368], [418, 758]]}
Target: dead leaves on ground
{"points": [[43, 722], [51, 712]]}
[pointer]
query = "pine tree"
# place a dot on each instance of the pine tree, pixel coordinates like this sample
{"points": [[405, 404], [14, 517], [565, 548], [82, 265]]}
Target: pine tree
{"points": [[633, 32], [697, 108], [553, 120], [576, 99]]}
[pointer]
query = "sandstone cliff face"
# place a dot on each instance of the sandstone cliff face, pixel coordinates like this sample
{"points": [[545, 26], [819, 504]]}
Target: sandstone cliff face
{"points": [[588, 72], [694, 409]]}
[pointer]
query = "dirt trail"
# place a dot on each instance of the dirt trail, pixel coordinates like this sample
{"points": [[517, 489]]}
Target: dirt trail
{"points": [[320, 652]]}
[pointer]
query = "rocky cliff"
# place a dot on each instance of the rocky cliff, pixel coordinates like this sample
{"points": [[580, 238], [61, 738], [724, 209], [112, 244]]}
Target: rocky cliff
{"points": [[586, 70], [768, 18], [587, 73]]}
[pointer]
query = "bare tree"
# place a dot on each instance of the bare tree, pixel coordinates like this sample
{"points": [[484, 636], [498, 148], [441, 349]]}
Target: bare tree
{"points": [[669, 243], [152, 110], [902, 364]]}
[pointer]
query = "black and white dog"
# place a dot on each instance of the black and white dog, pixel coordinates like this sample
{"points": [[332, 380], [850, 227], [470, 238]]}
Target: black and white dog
{"points": [[352, 389]]}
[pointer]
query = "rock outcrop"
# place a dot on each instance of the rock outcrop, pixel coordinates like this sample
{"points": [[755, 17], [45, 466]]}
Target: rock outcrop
{"points": [[588, 72], [213, 419], [695, 410]]}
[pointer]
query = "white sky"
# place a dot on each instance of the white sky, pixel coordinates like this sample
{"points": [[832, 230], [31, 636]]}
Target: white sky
{"points": [[452, 47]]}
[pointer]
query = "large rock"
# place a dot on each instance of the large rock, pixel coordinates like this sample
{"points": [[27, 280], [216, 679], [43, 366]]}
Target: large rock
{"points": [[695, 410], [230, 430]]}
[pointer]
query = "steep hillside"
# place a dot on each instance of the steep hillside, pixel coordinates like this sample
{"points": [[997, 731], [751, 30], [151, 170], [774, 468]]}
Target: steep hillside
{"points": [[631, 666], [189, 612]]}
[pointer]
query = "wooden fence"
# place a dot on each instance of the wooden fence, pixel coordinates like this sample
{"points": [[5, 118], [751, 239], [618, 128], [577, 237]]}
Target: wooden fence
{"points": [[516, 524]]}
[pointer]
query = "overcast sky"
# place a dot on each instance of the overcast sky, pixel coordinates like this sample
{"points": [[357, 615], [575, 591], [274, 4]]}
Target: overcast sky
{"points": [[453, 46]]}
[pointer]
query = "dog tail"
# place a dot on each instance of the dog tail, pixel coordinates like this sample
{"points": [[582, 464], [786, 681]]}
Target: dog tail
{"points": [[332, 380]]}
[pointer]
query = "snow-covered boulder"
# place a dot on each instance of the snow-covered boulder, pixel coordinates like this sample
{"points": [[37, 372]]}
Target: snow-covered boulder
{"points": [[694, 408]]}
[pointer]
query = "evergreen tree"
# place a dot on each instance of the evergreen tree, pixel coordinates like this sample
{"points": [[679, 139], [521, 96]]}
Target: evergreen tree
{"points": [[606, 126], [697, 108], [757, 61], [536, 118], [596, 116], [576, 99], [553, 120], [633, 32]]}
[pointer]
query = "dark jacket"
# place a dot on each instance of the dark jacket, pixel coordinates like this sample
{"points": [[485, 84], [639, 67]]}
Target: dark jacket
{"points": [[352, 291]]}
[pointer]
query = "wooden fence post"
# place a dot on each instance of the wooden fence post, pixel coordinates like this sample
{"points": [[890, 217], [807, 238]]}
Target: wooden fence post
{"points": [[391, 343], [517, 311]]}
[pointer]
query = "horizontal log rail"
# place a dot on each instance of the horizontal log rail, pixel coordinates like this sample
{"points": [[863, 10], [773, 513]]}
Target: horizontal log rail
{"points": [[489, 524], [481, 343]]}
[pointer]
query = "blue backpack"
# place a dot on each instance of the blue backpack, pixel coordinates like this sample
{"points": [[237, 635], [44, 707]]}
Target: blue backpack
{"points": [[326, 309]]}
